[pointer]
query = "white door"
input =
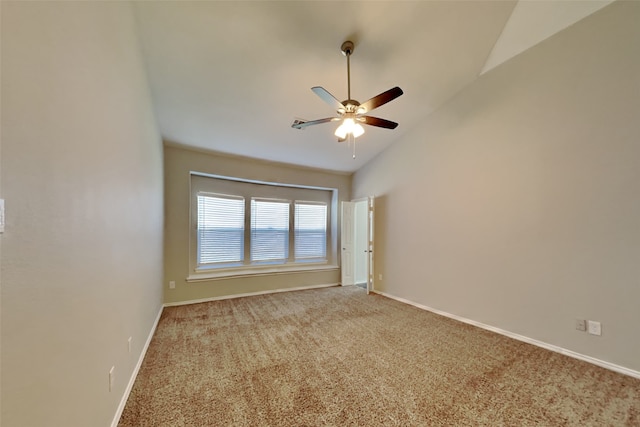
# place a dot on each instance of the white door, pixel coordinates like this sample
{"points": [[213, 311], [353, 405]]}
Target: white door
{"points": [[370, 223], [360, 242], [346, 238]]}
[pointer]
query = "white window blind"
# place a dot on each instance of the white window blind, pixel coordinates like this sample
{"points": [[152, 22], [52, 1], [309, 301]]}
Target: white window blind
{"points": [[220, 229], [269, 230], [310, 234]]}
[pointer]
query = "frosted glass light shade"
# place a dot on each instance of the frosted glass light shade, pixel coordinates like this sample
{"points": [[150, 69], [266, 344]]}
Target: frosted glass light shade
{"points": [[349, 126], [357, 130]]}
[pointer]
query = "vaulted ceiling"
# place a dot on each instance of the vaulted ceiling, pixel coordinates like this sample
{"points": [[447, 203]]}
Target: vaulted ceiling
{"points": [[232, 76]]}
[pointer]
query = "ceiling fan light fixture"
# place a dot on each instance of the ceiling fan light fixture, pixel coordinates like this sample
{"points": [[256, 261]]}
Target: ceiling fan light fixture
{"points": [[349, 126]]}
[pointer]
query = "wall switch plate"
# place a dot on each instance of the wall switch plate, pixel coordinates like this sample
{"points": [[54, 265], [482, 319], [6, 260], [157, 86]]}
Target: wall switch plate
{"points": [[379, 276], [581, 325], [594, 327], [172, 284]]}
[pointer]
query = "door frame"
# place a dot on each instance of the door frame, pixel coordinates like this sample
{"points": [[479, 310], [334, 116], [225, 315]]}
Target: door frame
{"points": [[347, 258]]}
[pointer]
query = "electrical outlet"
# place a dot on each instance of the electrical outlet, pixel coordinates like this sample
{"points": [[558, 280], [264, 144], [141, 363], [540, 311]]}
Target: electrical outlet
{"points": [[594, 327], [581, 325], [129, 344], [379, 276], [112, 377], [172, 284]]}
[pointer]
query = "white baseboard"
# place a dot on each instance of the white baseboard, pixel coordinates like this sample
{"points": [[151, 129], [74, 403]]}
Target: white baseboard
{"points": [[570, 353], [134, 374], [248, 294]]}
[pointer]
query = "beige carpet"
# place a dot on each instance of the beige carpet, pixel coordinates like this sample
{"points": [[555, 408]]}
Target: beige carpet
{"points": [[338, 357]]}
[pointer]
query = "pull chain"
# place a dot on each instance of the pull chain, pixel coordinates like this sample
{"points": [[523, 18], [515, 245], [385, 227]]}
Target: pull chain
{"points": [[353, 143]]}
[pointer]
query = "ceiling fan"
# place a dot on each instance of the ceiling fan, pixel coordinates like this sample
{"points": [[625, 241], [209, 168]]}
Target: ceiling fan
{"points": [[350, 111]]}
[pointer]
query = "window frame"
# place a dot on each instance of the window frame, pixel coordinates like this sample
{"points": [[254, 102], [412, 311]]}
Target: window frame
{"points": [[261, 190]]}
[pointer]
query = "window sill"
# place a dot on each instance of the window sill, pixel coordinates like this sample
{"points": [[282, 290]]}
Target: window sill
{"points": [[226, 273]]}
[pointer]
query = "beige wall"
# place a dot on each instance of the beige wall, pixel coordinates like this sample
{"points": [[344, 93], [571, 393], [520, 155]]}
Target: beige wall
{"points": [[82, 179], [178, 164], [517, 203]]}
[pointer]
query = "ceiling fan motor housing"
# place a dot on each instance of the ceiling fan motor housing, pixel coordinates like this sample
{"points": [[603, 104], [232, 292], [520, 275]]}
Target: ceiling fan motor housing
{"points": [[350, 106]]}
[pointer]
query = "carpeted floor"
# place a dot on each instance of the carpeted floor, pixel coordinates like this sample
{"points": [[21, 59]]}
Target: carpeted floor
{"points": [[338, 357]]}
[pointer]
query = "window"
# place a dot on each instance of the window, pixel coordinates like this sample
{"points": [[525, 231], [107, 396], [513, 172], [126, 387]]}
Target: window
{"points": [[269, 230], [242, 227], [220, 229], [310, 230]]}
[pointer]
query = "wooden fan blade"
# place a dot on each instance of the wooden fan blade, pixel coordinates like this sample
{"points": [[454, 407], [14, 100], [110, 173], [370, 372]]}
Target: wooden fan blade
{"points": [[328, 98], [379, 100], [300, 124], [375, 121]]}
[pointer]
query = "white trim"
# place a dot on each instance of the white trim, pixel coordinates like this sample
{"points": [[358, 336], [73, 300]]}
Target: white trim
{"points": [[249, 294], [257, 181], [554, 348], [134, 374], [264, 270]]}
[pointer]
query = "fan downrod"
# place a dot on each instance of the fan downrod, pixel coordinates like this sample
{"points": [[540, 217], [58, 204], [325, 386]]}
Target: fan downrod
{"points": [[347, 49]]}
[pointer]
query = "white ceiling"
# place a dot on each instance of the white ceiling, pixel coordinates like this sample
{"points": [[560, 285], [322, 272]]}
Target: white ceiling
{"points": [[231, 76]]}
